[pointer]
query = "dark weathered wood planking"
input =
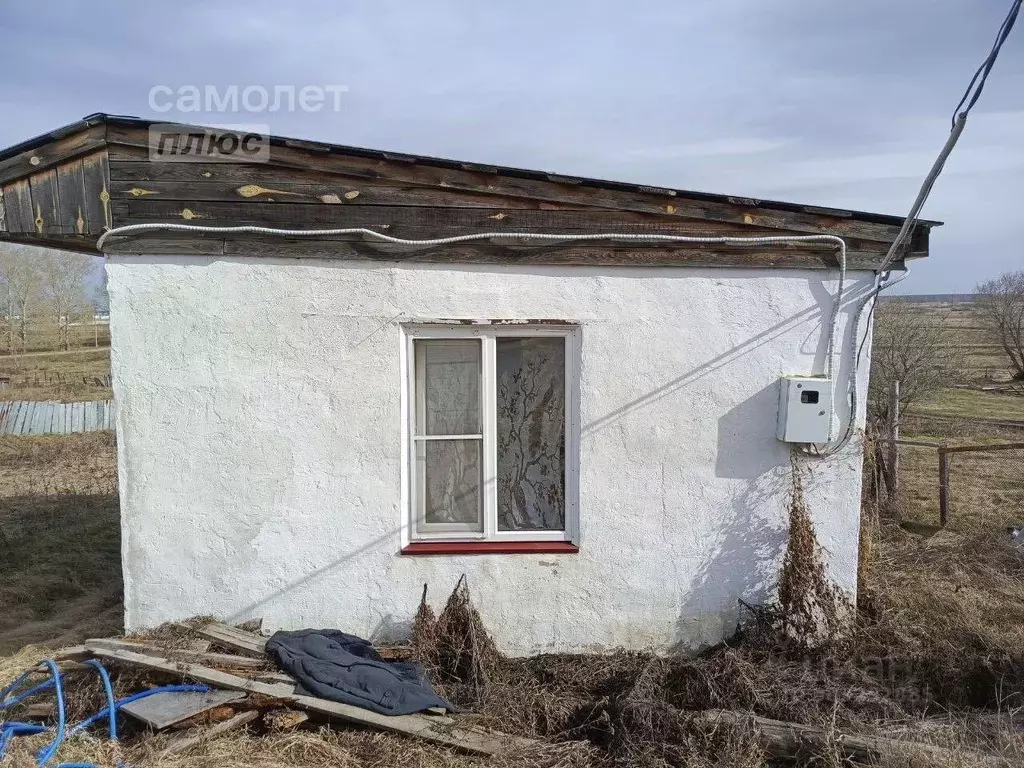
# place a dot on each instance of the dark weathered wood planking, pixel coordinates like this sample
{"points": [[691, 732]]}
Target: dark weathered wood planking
{"points": [[71, 193], [415, 222], [127, 142], [78, 186], [45, 202], [497, 252], [302, 205], [158, 244], [81, 244], [18, 207], [262, 182], [97, 193], [54, 153]]}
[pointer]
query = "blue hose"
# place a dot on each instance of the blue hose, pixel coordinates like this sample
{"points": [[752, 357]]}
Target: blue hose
{"points": [[109, 691], [22, 696], [45, 755], [11, 729]]}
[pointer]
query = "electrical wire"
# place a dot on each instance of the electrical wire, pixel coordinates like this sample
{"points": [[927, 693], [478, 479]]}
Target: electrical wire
{"points": [[883, 275], [838, 242], [972, 94]]}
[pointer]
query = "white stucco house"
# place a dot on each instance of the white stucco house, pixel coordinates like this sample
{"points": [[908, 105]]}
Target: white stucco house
{"points": [[327, 402]]}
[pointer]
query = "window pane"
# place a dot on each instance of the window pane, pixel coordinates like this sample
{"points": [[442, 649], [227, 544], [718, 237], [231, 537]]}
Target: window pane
{"points": [[448, 482], [447, 386], [531, 433]]}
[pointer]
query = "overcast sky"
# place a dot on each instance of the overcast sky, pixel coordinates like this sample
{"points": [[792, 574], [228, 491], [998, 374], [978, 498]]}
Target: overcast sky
{"points": [[830, 103]]}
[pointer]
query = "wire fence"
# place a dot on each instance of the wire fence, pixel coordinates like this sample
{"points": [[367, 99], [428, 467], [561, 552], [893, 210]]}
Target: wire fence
{"points": [[984, 486], [968, 487]]}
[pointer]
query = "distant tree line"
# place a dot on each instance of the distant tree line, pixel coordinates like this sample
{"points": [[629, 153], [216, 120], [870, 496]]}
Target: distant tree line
{"points": [[45, 294], [912, 347]]}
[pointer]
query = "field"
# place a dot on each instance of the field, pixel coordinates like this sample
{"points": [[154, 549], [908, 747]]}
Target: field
{"points": [[935, 655], [986, 489], [43, 336], [78, 375], [60, 562]]}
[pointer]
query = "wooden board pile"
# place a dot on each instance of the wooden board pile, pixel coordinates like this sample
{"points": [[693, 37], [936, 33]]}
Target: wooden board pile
{"points": [[244, 686]]}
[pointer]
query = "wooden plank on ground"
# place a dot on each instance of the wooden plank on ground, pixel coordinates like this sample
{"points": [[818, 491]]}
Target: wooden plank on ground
{"points": [[185, 654], [190, 740], [162, 710], [788, 740], [466, 738], [275, 677], [232, 637]]}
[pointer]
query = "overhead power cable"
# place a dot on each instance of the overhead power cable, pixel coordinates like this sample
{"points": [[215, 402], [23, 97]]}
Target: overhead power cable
{"points": [[882, 281], [977, 84]]}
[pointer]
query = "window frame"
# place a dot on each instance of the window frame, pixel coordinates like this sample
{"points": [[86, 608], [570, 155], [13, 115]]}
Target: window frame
{"points": [[486, 333]]}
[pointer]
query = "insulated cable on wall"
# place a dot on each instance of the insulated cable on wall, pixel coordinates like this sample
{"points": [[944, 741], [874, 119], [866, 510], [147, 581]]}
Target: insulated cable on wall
{"points": [[648, 237]]}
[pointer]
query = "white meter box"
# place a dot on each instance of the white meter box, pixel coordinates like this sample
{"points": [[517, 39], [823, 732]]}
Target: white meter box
{"points": [[805, 409]]}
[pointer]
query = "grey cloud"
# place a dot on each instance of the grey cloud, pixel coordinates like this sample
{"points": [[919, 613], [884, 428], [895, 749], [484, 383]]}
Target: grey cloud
{"points": [[839, 104]]}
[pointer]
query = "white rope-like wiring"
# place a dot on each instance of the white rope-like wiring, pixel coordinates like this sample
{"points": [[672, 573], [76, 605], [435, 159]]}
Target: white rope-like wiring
{"points": [[882, 276], [649, 237]]}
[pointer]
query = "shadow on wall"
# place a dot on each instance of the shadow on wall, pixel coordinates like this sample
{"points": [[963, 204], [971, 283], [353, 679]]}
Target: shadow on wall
{"points": [[743, 563], [814, 339], [745, 550], [747, 447]]}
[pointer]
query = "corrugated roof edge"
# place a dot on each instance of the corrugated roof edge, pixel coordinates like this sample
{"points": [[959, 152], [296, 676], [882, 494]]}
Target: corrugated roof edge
{"points": [[104, 118]]}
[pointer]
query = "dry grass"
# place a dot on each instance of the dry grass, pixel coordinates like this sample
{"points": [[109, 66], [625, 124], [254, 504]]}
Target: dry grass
{"points": [[973, 403], [28, 374], [60, 572], [936, 653]]}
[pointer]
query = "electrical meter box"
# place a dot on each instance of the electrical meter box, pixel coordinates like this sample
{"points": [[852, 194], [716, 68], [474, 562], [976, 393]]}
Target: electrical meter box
{"points": [[805, 409]]}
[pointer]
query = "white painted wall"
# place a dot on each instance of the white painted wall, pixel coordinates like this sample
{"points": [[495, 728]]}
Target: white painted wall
{"points": [[260, 446]]}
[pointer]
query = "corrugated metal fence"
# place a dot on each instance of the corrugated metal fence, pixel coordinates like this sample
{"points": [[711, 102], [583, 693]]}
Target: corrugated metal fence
{"points": [[27, 417]]}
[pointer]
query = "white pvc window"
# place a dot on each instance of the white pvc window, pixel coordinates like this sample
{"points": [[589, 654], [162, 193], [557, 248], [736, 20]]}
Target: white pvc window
{"points": [[491, 435]]}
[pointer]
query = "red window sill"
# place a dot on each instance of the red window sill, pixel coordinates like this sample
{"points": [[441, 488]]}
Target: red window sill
{"points": [[490, 548]]}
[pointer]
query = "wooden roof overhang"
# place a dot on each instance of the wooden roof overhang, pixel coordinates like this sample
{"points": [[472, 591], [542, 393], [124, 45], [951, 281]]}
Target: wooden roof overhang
{"points": [[65, 189]]}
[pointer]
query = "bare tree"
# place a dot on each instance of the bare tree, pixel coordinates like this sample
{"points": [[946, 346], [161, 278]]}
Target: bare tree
{"points": [[909, 347], [1002, 303], [22, 280], [65, 290]]}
